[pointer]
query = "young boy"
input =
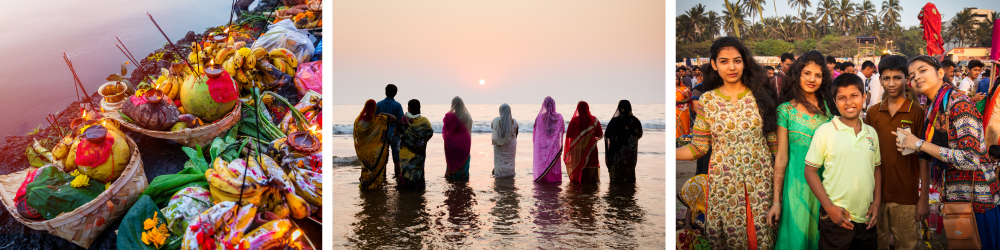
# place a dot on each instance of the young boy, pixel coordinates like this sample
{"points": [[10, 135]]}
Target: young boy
{"points": [[852, 184], [968, 84], [901, 209]]}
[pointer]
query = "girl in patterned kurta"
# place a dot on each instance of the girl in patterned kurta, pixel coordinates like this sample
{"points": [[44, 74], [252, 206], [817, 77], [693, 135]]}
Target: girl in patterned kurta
{"points": [[954, 144], [803, 108], [737, 121]]}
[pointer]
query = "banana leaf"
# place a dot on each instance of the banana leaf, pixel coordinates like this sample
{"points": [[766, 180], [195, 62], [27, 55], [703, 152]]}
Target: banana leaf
{"points": [[131, 228], [163, 187], [51, 194], [197, 159]]}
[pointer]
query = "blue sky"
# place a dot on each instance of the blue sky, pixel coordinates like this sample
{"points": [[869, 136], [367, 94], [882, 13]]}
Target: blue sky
{"points": [[908, 17]]}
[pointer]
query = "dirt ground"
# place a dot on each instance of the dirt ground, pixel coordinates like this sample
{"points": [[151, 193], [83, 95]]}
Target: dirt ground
{"points": [[686, 170]]}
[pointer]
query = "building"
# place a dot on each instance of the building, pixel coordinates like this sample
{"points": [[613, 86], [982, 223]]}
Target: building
{"points": [[980, 15], [959, 54]]}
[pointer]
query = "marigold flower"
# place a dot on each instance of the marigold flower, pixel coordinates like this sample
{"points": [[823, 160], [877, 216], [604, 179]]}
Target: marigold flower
{"points": [[80, 181]]}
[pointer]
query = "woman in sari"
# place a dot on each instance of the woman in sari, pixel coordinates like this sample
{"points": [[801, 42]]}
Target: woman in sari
{"points": [[683, 115], [457, 140], [737, 120], [547, 140], [581, 145], [954, 145], [371, 145], [504, 143], [416, 131], [804, 106], [621, 142]]}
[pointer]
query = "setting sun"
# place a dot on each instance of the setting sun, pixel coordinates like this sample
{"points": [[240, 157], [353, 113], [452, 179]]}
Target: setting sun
{"points": [[482, 82]]}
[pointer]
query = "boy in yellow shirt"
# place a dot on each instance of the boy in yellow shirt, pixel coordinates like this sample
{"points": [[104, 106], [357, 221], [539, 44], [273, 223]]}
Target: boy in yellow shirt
{"points": [[851, 187]]}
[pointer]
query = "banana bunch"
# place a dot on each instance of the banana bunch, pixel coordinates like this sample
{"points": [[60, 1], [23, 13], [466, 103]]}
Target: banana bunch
{"points": [[226, 180], [240, 62], [169, 83], [280, 196], [201, 54], [308, 184], [284, 60]]}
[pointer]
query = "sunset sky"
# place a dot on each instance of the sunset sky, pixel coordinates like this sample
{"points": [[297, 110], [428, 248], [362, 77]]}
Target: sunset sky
{"points": [[598, 51]]}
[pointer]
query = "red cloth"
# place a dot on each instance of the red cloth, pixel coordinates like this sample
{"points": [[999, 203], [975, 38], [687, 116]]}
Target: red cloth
{"points": [[138, 100], [23, 190], [368, 112], [91, 154], [457, 141], [582, 119], [930, 21], [222, 88]]}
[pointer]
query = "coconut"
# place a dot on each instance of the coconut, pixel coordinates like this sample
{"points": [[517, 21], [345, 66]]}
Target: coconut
{"points": [[197, 100], [111, 169]]}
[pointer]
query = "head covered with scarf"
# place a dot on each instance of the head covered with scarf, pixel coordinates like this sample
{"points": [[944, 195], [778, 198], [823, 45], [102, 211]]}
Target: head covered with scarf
{"points": [[458, 108], [504, 126]]}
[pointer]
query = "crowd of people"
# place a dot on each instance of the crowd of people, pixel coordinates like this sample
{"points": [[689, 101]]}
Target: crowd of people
{"points": [[817, 154], [383, 131]]}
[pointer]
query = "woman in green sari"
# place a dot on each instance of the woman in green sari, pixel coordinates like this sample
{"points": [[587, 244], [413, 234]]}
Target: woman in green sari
{"points": [[804, 106], [371, 145], [416, 131]]}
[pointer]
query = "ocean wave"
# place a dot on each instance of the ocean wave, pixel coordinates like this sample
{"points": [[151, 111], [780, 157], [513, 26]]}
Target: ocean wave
{"points": [[485, 126]]}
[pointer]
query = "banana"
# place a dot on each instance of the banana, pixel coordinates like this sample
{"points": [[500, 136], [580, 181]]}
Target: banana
{"points": [[221, 166], [239, 56], [241, 76], [272, 235], [290, 70], [229, 67], [220, 196], [70, 163], [285, 54], [224, 54], [61, 149], [259, 53], [193, 56], [298, 206], [279, 64], [256, 175], [251, 61], [176, 88], [230, 185], [308, 185]]}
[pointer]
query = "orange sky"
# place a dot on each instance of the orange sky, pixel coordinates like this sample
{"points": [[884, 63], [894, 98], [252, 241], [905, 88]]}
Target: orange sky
{"points": [[598, 51]]}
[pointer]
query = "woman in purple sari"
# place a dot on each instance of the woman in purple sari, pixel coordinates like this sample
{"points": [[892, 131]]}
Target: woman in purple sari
{"points": [[457, 141], [548, 140]]}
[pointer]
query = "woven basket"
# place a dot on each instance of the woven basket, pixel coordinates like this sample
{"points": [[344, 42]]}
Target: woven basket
{"points": [[190, 137], [84, 224]]}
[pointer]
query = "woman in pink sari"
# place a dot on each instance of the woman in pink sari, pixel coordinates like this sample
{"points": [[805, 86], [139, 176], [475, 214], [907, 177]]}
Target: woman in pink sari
{"points": [[547, 139], [457, 141], [581, 145]]}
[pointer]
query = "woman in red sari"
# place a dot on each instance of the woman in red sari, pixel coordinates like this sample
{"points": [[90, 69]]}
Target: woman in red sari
{"points": [[580, 153]]}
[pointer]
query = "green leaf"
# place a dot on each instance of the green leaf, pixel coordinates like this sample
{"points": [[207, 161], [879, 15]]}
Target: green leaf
{"points": [[163, 187], [34, 158], [113, 78], [131, 228], [216, 148], [51, 193], [197, 158], [124, 70], [125, 117]]}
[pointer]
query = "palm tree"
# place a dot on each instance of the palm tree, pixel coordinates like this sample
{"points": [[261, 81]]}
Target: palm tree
{"points": [[962, 28], [800, 4], [825, 11], [843, 13], [803, 24], [866, 15], [712, 28], [755, 8], [696, 17], [733, 16], [890, 14]]}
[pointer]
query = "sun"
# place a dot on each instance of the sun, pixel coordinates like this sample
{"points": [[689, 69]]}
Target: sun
{"points": [[482, 82]]}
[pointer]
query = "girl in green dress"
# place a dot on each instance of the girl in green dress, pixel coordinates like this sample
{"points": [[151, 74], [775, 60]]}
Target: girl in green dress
{"points": [[803, 108]]}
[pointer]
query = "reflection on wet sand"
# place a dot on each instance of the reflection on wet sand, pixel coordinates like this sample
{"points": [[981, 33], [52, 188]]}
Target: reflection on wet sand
{"points": [[461, 221]]}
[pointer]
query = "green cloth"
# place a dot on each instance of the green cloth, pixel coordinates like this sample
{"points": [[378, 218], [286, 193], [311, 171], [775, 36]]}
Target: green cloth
{"points": [[849, 162], [163, 187], [798, 227], [51, 194]]}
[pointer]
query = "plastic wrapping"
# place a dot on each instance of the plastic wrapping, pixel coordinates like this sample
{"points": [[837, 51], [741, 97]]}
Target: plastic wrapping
{"points": [[284, 35], [309, 77]]}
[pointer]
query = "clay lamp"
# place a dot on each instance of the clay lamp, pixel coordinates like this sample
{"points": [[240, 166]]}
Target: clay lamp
{"points": [[219, 38], [153, 96], [213, 70], [95, 134], [304, 142], [79, 121]]}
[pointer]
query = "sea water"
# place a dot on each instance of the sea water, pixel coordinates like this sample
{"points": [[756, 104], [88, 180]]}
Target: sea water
{"points": [[514, 212]]}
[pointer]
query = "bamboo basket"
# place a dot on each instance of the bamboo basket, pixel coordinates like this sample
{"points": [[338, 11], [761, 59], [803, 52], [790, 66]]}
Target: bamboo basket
{"points": [[201, 136], [84, 224]]}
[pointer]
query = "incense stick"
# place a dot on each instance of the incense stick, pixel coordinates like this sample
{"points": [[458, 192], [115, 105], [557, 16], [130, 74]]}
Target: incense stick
{"points": [[126, 56], [135, 60], [79, 83], [174, 47]]}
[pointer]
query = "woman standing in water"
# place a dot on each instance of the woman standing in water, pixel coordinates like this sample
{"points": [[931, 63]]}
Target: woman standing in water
{"points": [[371, 145], [621, 143], [416, 131], [457, 140], [581, 145], [547, 140], [804, 106], [504, 143], [954, 144], [737, 120]]}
